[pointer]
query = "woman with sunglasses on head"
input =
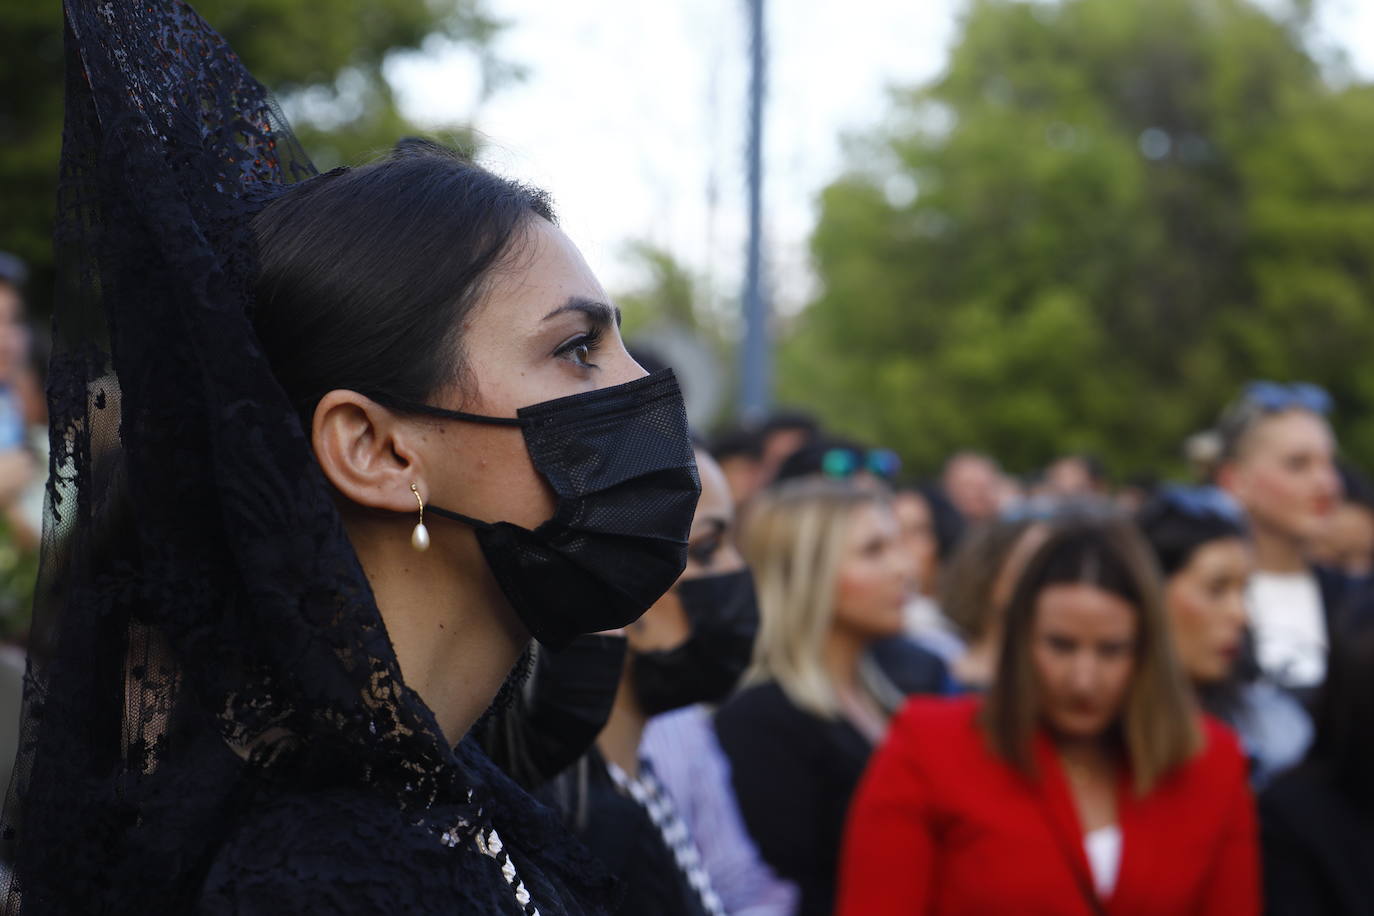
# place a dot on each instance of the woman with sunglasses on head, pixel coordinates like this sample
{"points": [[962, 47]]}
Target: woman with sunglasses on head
{"points": [[1084, 782], [832, 578], [900, 665], [1277, 459], [1202, 542], [328, 450]]}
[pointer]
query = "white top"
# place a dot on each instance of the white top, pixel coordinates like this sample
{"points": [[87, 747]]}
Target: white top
{"points": [[1103, 847], [1289, 626]]}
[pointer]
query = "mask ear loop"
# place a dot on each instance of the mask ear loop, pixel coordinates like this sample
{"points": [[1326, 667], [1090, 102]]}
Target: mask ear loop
{"points": [[419, 538]]}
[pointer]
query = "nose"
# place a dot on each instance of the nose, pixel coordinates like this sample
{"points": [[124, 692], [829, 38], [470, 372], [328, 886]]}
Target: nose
{"points": [[1083, 674], [621, 367]]}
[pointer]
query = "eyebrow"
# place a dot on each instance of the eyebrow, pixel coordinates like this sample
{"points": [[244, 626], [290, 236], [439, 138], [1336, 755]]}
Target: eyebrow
{"points": [[599, 312]]}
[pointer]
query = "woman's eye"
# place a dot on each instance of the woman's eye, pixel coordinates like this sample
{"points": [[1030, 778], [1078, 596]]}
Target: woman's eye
{"points": [[580, 349]]}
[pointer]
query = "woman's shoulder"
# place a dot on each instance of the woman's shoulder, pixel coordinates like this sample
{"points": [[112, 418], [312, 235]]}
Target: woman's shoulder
{"points": [[765, 701], [762, 695], [938, 735], [949, 718], [1221, 747], [1212, 775], [761, 719], [348, 851], [331, 851]]}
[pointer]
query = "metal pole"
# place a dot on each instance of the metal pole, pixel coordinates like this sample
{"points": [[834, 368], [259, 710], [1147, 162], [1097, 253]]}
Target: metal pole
{"points": [[755, 358]]}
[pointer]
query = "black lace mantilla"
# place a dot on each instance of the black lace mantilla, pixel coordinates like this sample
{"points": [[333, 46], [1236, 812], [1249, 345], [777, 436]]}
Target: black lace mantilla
{"points": [[214, 718]]}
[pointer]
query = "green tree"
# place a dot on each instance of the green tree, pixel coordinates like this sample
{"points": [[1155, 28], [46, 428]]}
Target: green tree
{"points": [[1102, 218], [325, 55]]}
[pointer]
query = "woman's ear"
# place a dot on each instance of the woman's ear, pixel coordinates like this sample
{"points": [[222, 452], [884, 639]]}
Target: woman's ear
{"points": [[366, 452]]}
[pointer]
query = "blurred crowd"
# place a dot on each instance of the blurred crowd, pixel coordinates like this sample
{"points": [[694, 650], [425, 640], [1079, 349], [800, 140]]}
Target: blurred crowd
{"points": [[986, 692], [1048, 693]]}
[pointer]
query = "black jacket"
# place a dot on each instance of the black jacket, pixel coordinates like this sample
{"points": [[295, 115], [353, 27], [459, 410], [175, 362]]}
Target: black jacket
{"points": [[793, 774], [1318, 848]]}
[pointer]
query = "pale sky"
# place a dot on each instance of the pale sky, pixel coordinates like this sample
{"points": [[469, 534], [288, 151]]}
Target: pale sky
{"points": [[633, 114]]}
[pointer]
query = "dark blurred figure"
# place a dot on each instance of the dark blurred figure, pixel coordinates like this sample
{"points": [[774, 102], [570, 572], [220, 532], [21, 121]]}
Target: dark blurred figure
{"points": [[1201, 540], [931, 529], [739, 452], [1135, 492], [751, 455], [1318, 819], [1346, 544], [1277, 458], [1085, 781], [975, 484], [785, 432], [1076, 477]]}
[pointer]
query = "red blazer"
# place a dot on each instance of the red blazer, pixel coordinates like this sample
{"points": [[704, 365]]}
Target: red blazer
{"points": [[940, 825]]}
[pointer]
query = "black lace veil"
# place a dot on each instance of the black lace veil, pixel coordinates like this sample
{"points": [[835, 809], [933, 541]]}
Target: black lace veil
{"points": [[202, 627]]}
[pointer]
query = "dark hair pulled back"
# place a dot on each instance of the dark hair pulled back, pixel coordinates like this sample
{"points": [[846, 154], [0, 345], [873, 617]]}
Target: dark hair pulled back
{"points": [[1175, 535], [366, 274]]}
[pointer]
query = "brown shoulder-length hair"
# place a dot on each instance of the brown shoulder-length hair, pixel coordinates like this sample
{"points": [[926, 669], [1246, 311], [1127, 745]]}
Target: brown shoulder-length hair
{"points": [[1158, 726]]}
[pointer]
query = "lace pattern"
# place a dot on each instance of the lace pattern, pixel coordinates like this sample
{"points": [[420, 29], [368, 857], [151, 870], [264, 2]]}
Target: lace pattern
{"points": [[214, 717]]}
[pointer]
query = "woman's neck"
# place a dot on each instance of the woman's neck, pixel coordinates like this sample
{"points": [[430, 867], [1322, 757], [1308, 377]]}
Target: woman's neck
{"points": [[1091, 767], [455, 636], [1276, 552], [841, 654], [1094, 753], [619, 739]]}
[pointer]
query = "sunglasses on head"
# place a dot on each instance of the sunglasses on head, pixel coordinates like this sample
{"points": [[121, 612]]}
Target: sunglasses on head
{"points": [[1276, 396], [846, 462]]}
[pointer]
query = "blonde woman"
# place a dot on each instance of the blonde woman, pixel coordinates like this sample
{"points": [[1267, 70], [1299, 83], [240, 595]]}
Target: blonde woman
{"points": [[832, 578]]}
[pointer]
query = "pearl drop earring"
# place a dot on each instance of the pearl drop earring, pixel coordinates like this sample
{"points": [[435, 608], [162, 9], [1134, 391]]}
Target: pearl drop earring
{"points": [[419, 538]]}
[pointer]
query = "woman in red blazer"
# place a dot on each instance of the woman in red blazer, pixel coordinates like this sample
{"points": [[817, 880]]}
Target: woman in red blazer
{"points": [[1085, 783]]}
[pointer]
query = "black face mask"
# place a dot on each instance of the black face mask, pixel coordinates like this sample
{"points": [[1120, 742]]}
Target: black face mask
{"points": [[724, 615], [568, 699], [620, 463]]}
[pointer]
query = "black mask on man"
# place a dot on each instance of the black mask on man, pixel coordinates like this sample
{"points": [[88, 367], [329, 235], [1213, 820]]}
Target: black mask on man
{"points": [[723, 612]]}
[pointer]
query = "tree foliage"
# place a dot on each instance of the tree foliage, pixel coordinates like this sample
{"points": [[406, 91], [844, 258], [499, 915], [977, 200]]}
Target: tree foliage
{"points": [[1103, 218], [323, 55]]}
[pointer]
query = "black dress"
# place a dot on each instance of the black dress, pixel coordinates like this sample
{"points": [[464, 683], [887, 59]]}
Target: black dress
{"points": [[793, 774], [347, 850], [1318, 848]]}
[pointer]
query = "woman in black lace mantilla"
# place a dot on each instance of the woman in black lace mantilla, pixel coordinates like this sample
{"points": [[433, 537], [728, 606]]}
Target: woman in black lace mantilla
{"points": [[326, 451]]}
